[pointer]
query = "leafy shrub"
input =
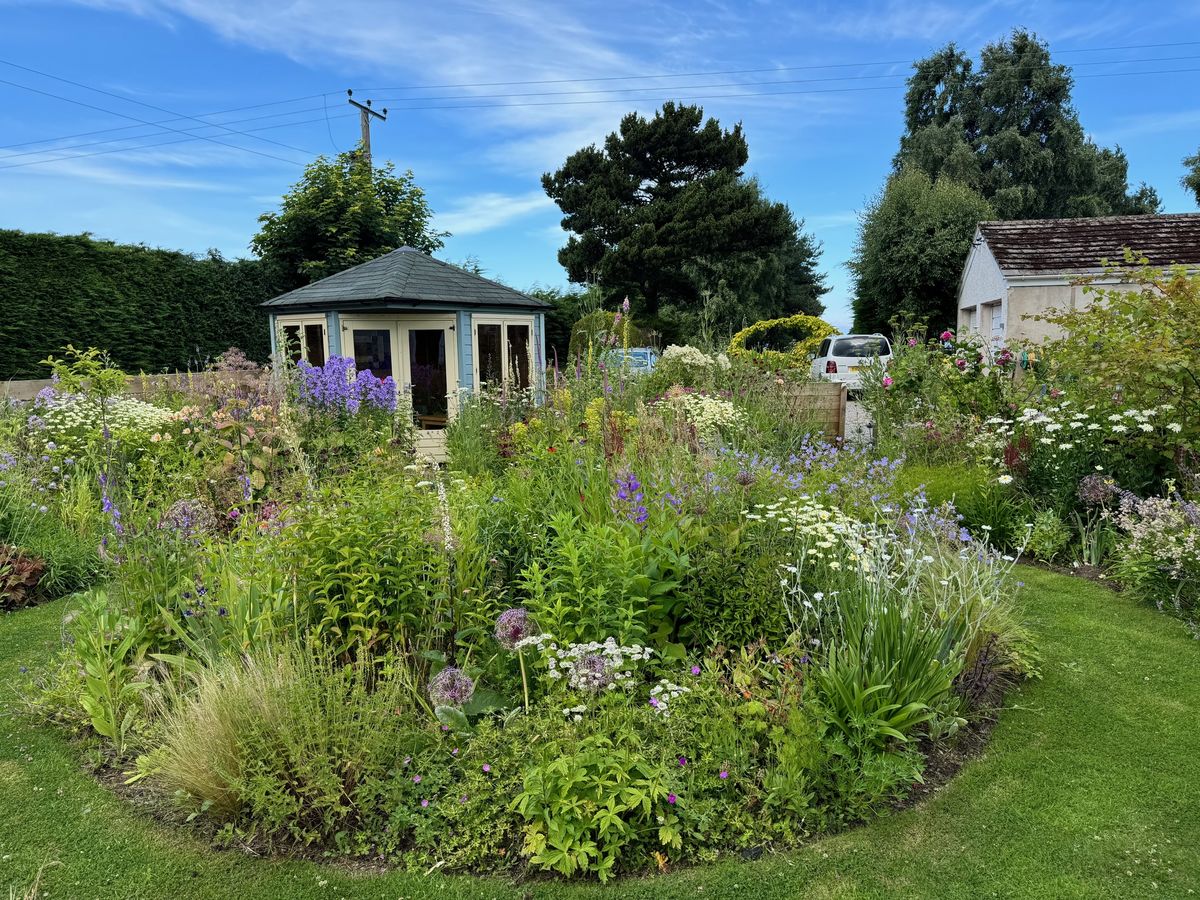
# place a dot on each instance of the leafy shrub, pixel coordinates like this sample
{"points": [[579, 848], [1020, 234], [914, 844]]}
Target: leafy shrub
{"points": [[588, 806], [1049, 535], [111, 649], [369, 558], [1102, 348]]}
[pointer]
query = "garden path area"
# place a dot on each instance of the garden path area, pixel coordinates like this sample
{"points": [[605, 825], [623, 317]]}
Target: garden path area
{"points": [[1090, 788]]}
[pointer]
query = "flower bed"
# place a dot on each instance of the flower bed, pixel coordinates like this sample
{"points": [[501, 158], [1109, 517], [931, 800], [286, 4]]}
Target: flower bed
{"points": [[632, 626], [1078, 450]]}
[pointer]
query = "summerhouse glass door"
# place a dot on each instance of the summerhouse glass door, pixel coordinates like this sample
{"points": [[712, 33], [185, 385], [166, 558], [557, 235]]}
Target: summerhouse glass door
{"points": [[430, 370], [428, 376]]}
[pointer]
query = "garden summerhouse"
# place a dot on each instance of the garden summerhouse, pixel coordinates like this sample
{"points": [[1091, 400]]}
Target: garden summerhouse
{"points": [[436, 329]]}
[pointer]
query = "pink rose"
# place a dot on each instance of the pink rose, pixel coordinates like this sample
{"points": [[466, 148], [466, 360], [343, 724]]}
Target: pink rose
{"points": [[961, 363], [947, 335], [912, 342], [887, 381]]}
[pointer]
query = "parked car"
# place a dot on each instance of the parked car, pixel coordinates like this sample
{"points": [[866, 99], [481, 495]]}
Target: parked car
{"points": [[635, 360], [843, 357]]}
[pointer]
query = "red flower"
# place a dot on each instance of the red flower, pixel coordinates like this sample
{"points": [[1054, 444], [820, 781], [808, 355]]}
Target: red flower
{"points": [[550, 450]]}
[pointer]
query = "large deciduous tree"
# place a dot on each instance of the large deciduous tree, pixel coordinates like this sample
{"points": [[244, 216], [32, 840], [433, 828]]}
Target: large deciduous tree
{"points": [[1009, 131], [911, 246], [663, 214], [342, 213]]}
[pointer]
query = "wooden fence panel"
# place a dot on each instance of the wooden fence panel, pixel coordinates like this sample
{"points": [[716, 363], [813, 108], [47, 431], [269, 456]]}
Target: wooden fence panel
{"points": [[138, 385], [821, 401]]}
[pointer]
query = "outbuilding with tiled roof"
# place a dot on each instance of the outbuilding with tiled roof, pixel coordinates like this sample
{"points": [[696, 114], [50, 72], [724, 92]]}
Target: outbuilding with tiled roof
{"points": [[436, 329], [1023, 268]]}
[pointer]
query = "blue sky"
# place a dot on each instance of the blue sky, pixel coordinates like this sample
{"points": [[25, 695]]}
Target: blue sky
{"points": [[821, 108]]}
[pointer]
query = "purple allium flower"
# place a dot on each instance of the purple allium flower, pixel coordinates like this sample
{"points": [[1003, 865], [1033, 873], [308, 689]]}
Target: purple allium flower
{"points": [[722, 774], [487, 767], [424, 803], [695, 670], [654, 702], [451, 687], [671, 798], [1096, 489], [189, 518], [683, 760], [416, 779], [591, 673], [512, 627]]}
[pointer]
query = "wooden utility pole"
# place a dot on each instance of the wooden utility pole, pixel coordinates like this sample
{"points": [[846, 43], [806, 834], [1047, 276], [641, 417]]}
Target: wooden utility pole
{"points": [[365, 112]]}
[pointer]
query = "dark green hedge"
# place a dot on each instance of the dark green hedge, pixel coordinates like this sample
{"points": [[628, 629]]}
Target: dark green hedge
{"points": [[153, 310]]}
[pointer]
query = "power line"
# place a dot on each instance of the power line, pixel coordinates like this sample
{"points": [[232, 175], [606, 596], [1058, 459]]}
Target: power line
{"points": [[150, 147], [885, 87], [844, 65], [689, 87], [324, 107], [190, 135], [111, 112], [170, 112], [191, 130], [220, 112]]}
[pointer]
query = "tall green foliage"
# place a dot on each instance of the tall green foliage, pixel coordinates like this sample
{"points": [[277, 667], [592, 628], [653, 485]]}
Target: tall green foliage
{"points": [[1010, 132], [152, 309], [663, 214], [911, 248], [342, 213]]}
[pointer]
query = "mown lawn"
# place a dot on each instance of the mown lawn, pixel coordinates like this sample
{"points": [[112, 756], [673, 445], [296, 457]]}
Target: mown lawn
{"points": [[1089, 788]]}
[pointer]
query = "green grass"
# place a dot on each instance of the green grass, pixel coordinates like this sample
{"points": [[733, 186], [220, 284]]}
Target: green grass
{"points": [[1089, 788]]}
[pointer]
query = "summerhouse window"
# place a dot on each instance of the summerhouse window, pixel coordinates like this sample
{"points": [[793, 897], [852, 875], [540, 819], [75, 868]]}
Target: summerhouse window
{"points": [[504, 352], [304, 338]]}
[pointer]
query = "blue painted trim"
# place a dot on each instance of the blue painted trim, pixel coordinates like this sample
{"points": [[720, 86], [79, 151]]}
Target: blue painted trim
{"points": [[464, 330], [539, 343], [333, 332]]}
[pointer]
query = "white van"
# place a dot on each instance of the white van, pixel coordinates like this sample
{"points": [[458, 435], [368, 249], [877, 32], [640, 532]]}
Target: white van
{"points": [[843, 357]]}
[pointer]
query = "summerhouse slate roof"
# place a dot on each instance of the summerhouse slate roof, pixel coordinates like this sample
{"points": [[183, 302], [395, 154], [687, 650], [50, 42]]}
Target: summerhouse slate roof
{"points": [[405, 276], [1076, 246]]}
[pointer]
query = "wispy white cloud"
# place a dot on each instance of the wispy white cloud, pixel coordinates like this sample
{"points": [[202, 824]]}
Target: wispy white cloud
{"points": [[894, 20], [483, 212], [1150, 124], [474, 44]]}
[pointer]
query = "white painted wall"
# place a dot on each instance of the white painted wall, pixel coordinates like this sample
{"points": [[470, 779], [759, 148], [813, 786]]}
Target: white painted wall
{"points": [[982, 282]]}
